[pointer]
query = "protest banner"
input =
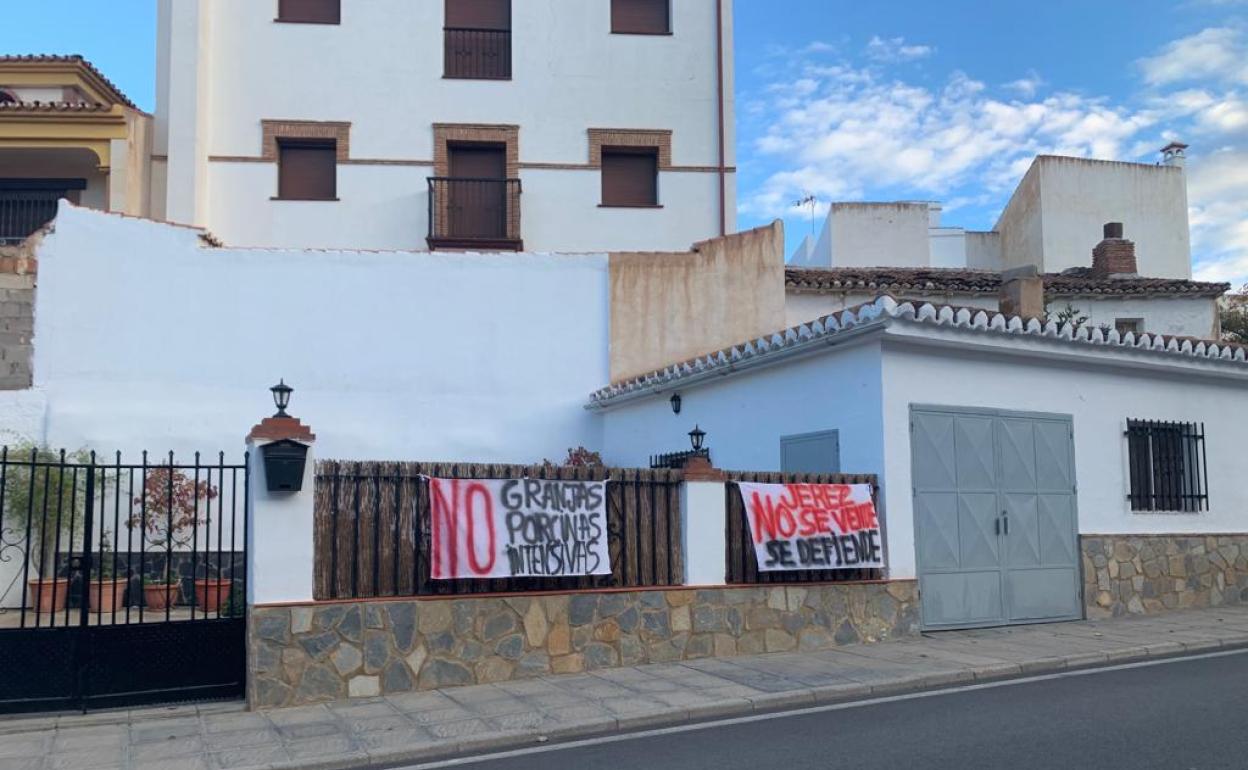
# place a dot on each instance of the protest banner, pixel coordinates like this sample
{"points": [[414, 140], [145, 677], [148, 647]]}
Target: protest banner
{"points": [[499, 528], [813, 526]]}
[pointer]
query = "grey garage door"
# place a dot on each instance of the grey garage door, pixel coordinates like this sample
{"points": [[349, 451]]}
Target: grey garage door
{"points": [[995, 520]]}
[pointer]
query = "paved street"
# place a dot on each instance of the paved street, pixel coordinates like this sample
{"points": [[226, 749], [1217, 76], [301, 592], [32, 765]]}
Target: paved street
{"points": [[1187, 714], [1190, 710]]}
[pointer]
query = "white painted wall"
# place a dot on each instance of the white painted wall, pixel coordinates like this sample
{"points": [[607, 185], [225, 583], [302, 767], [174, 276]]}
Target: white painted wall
{"points": [[385, 77], [147, 340], [1100, 399], [983, 250], [387, 207], [1056, 215]]}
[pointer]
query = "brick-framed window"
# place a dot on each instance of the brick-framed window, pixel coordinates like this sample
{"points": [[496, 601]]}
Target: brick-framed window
{"points": [[307, 170], [630, 177], [1166, 466], [309, 11], [641, 17]]}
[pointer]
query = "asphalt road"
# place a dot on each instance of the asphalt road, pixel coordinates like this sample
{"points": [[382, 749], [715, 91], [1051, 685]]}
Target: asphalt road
{"points": [[1187, 713]]}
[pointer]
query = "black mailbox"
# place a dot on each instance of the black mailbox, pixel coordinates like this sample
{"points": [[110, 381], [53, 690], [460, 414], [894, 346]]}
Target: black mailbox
{"points": [[284, 462]]}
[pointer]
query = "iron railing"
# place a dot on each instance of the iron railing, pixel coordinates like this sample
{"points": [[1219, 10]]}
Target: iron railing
{"points": [[24, 212], [477, 54], [1166, 462], [742, 563], [372, 529], [466, 212], [678, 460]]}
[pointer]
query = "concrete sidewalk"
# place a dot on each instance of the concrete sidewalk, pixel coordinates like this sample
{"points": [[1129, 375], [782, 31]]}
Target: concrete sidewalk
{"points": [[486, 717]]}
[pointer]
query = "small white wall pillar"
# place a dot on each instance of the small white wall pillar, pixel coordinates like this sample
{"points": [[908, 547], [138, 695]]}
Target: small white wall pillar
{"points": [[280, 554], [703, 522]]}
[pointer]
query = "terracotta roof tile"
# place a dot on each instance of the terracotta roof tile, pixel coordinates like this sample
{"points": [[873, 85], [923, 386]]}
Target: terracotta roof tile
{"points": [[1075, 282], [884, 310], [70, 58]]}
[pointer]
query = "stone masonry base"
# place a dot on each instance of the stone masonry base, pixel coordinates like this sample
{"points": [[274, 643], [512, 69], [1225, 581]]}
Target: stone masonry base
{"points": [[1145, 574], [326, 651]]}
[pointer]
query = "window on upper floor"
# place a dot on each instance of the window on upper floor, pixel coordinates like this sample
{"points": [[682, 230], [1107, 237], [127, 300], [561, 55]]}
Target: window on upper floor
{"points": [[477, 39], [641, 17], [1124, 325], [1166, 465], [307, 169], [310, 11], [630, 177]]}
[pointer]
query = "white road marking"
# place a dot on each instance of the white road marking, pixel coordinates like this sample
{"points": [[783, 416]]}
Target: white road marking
{"points": [[693, 727]]}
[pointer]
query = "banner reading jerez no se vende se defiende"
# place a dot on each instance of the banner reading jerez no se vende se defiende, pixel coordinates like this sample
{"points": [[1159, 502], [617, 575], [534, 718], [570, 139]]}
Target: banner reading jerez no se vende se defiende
{"points": [[813, 526]]}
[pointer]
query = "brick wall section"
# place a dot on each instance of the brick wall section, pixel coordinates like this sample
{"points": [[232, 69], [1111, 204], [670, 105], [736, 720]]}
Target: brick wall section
{"points": [[661, 140], [327, 651], [1114, 256], [17, 317], [273, 130], [1146, 574]]}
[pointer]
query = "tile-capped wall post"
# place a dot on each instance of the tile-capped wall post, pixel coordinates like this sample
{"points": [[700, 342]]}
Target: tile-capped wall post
{"points": [[703, 524], [280, 526]]}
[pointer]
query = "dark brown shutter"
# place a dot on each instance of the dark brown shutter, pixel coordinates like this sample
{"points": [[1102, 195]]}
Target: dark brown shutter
{"points": [[310, 11], [641, 17], [630, 178], [307, 171], [478, 14]]}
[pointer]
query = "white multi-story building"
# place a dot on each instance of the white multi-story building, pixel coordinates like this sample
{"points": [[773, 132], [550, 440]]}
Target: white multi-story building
{"points": [[1055, 213], [547, 125]]}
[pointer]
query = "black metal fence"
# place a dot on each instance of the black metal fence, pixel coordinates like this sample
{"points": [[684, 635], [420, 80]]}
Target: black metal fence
{"points": [[464, 211], [373, 529], [678, 459], [24, 212], [1166, 462], [477, 54], [120, 583], [742, 563]]}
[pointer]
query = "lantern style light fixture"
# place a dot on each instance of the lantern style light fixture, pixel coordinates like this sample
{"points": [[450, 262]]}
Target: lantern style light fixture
{"points": [[281, 397], [675, 403], [696, 437]]}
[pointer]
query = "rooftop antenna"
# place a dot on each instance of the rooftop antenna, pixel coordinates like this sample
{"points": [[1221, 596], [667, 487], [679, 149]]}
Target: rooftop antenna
{"points": [[808, 199]]}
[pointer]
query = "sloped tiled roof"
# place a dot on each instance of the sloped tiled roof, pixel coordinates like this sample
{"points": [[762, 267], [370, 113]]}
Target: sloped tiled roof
{"points": [[886, 309], [43, 58], [1075, 282]]}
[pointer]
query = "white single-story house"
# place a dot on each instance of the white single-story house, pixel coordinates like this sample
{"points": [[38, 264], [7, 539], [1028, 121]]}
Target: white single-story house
{"points": [[1008, 451]]}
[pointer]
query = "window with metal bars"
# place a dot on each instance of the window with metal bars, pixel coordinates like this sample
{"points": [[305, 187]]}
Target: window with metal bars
{"points": [[1167, 466]]}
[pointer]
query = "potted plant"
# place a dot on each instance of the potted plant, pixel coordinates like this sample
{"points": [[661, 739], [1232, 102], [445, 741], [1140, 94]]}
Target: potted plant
{"points": [[173, 510], [160, 593], [106, 592], [42, 490]]}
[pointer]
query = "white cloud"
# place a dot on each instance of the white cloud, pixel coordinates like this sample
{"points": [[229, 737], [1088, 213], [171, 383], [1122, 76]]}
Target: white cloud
{"points": [[894, 49], [1217, 53], [848, 131]]}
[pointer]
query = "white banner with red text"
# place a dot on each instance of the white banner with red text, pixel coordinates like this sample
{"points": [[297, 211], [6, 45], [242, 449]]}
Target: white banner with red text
{"points": [[813, 526], [501, 528]]}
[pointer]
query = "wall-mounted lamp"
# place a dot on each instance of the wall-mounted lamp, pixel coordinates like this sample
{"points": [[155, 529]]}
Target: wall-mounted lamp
{"points": [[675, 403], [696, 437], [285, 460]]}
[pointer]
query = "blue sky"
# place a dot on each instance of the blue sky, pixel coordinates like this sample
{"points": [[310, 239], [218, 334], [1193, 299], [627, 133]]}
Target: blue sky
{"points": [[906, 100]]}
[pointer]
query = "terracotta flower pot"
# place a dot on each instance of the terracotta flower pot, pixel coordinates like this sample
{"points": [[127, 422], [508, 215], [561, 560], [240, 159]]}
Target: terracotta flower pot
{"points": [[211, 593], [48, 596], [158, 596], [107, 595]]}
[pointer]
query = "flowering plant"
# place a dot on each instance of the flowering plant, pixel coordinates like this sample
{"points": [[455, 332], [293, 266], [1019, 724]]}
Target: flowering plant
{"points": [[169, 508]]}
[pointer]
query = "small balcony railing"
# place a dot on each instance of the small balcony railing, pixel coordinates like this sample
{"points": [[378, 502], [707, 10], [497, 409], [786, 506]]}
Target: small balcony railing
{"points": [[477, 54], [474, 213], [24, 212]]}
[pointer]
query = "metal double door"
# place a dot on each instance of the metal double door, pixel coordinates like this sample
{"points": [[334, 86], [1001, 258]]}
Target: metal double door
{"points": [[996, 524]]}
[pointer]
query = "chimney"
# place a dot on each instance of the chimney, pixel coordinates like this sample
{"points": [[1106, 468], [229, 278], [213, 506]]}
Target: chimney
{"points": [[1022, 292], [1173, 155], [1114, 256]]}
